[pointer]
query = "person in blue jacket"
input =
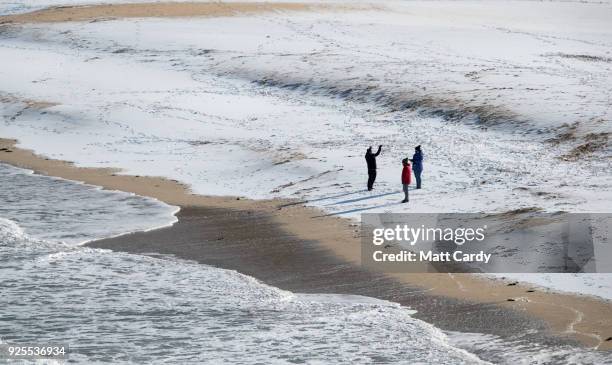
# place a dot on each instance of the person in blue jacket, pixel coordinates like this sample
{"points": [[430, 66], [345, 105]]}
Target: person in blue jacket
{"points": [[417, 165]]}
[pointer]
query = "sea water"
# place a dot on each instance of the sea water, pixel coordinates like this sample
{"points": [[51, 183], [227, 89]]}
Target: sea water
{"points": [[123, 308]]}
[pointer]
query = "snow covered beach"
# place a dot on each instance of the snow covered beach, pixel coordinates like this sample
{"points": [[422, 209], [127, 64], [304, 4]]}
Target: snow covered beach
{"points": [[283, 104], [242, 105]]}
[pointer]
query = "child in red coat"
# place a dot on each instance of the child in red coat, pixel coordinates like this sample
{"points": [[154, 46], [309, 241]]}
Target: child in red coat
{"points": [[405, 178]]}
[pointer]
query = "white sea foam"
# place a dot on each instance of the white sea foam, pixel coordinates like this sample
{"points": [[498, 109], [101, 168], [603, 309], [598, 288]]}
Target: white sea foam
{"points": [[9, 230], [508, 351]]}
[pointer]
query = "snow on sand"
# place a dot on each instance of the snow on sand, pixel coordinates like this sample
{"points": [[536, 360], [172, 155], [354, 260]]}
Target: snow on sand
{"points": [[500, 94]]}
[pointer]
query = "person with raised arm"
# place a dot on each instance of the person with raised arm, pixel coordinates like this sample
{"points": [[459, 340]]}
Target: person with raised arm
{"points": [[371, 162]]}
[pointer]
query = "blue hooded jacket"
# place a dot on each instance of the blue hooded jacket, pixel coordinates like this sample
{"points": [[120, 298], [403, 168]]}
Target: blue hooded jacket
{"points": [[417, 161]]}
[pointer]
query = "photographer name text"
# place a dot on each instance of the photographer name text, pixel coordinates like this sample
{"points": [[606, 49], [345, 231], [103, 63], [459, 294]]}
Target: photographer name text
{"points": [[430, 256]]}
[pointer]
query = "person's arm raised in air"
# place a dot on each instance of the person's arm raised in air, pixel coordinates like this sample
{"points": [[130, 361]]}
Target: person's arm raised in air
{"points": [[378, 152]]}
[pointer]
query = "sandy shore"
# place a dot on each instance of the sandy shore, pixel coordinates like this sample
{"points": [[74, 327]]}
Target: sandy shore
{"points": [[294, 247], [147, 10], [297, 248]]}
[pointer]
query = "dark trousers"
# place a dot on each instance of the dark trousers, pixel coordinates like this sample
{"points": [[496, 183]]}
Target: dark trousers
{"points": [[371, 178], [417, 176]]}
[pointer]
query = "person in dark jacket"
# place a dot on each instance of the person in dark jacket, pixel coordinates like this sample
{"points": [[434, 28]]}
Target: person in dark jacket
{"points": [[371, 161], [405, 179], [417, 165]]}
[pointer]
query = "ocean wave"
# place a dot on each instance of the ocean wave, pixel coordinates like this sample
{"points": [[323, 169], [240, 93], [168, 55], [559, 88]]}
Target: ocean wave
{"points": [[10, 231], [131, 308], [55, 209]]}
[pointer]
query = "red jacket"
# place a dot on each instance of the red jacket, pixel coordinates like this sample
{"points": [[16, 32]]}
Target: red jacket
{"points": [[406, 174]]}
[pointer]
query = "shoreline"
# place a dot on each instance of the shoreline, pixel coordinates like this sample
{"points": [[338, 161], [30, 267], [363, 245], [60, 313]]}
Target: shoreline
{"points": [[314, 253]]}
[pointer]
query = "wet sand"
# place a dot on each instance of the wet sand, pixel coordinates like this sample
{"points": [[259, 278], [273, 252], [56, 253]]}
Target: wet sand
{"points": [[298, 248], [249, 241]]}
